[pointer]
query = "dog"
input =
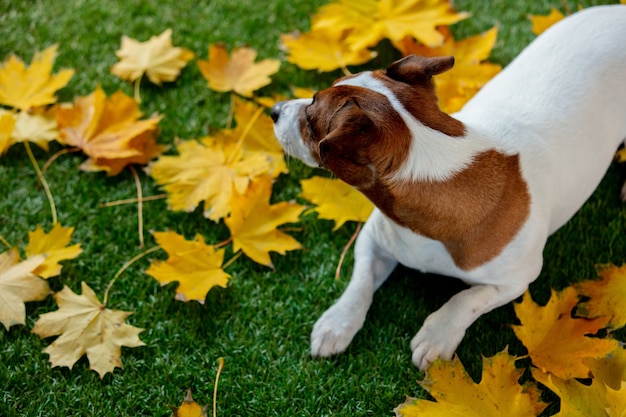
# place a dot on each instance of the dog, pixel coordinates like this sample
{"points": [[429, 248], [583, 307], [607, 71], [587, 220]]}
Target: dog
{"points": [[473, 195]]}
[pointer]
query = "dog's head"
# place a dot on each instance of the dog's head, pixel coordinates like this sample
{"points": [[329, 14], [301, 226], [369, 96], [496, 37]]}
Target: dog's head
{"points": [[361, 128]]}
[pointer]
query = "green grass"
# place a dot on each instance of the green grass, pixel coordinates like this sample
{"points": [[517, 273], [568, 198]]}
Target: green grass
{"points": [[260, 324]]}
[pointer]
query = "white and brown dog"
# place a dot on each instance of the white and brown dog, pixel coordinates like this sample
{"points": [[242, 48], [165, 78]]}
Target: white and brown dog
{"points": [[474, 195]]}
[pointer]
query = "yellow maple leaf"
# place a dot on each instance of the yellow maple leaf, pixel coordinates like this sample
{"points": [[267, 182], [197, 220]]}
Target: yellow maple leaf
{"points": [[469, 74], [190, 408], [607, 296], [577, 400], [23, 88], [157, 58], [620, 155], [542, 22], [253, 222], [7, 124], [369, 21], [556, 342], [196, 266], [207, 170], [457, 395], [86, 326], [108, 130], [239, 72], [323, 50], [336, 200], [54, 246], [611, 369], [18, 284], [617, 401]]}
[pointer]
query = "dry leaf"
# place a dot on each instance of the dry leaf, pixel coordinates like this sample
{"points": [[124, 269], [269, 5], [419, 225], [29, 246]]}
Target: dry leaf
{"points": [[7, 124], [611, 369], [85, 326], [23, 88], [336, 200], [469, 74], [617, 401], [38, 127], [369, 21], [607, 296], [190, 408], [18, 284], [54, 246], [239, 72], [323, 50], [456, 394], [196, 266], [620, 155], [253, 222], [109, 131], [556, 342], [542, 22], [157, 58]]}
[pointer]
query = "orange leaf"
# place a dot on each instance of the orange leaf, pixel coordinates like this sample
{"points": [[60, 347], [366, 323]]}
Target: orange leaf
{"points": [[253, 222], [53, 245], [190, 408], [556, 342], [607, 296], [109, 131], [196, 266]]}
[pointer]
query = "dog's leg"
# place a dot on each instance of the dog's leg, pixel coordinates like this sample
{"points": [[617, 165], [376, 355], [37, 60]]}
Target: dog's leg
{"points": [[335, 329], [444, 329]]}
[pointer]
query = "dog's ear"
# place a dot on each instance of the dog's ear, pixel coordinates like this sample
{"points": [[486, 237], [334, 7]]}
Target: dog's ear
{"points": [[413, 69]]}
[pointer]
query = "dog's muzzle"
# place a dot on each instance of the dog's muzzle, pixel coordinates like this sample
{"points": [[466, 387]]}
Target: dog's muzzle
{"points": [[275, 111]]}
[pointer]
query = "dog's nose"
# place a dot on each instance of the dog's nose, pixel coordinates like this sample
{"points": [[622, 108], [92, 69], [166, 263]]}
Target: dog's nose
{"points": [[275, 112]]}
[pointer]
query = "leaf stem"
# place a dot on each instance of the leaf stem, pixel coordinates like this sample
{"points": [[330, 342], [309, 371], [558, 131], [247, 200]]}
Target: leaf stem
{"points": [[345, 250], [124, 268], [5, 242], [55, 156], [345, 71], [220, 366], [43, 182], [232, 260], [231, 111], [245, 132], [224, 243], [133, 200], [139, 205], [137, 84]]}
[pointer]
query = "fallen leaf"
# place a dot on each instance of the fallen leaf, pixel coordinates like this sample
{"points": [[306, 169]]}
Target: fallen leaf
{"points": [[617, 401], [190, 408], [196, 266], [556, 342], [456, 394], [607, 296], [611, 369], [620, 155], [370, 21], [239, 72], [23, 88], [577, 400], [86, 326], [18, 284], [253, 222], [336, 200], [542, 22], [54, 246], [108, 130], [7, 124], [323, 50], [469, 74], [157, 58]]}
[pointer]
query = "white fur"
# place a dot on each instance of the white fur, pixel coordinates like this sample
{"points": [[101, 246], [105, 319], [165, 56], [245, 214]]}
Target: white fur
{"points": [[560, 105]]}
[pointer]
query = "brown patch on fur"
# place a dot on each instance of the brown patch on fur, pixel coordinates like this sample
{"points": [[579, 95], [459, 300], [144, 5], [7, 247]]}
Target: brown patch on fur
{"points": [[475, 214]]}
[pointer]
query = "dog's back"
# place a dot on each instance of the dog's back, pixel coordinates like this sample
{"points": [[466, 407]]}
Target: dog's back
{"points": [[567, 93]]}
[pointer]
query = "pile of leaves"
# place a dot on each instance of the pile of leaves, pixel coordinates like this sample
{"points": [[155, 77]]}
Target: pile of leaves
{"points": [[231, 175]]}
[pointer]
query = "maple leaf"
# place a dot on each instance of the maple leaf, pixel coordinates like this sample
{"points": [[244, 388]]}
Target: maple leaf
{"points": [[336, 200], [607, 296], [18, 284], [207, 170], [239, 72], [617, 401], [23, 88], [157, 58], [190, 408], [195, 265], [54, 246], [456, 394], [577, 400], [7, 124], [556, 342], [323, 50], [620, 155], [39, 127], [469, 74], [611, 369], [86, 326], [369, 21], [542, 22], [108, 130], [253, 222]]}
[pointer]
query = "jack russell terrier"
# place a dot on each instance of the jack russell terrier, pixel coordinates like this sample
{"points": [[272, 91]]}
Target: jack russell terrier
{"points": [[474, 195]]}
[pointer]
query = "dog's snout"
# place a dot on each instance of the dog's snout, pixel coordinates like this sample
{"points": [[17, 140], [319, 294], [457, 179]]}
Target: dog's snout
{"points": [[275, 112]]}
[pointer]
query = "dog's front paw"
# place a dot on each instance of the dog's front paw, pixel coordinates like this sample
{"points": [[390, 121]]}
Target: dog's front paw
{"points": [[334, 331], [433, 342]]}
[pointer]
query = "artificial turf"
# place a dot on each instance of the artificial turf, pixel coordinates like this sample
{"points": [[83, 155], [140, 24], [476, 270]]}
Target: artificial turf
{"points": [[260, 324]]}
